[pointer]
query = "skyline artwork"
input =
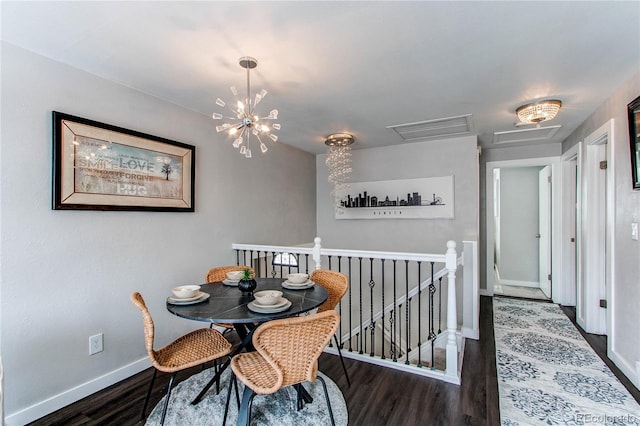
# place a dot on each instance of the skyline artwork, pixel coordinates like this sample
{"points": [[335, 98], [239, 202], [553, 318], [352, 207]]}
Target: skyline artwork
{"points": [[422, 198]]}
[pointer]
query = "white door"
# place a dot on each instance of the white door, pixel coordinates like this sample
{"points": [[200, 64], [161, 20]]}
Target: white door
{"points": [[544, 230], [572, 266], [594, 238]]}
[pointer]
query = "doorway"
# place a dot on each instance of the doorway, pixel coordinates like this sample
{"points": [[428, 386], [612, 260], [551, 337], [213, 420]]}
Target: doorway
{"points": [[522, 223]]}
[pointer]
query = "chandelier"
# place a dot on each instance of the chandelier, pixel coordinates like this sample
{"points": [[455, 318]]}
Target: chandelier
{"points": [[244, 120], [339, 163], [538, 111]]}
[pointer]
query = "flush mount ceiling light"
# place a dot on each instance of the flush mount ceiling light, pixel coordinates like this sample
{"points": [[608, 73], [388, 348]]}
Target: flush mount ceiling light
{"points": [[538, 112], [244, 121], [339, 164], [339, 139]]}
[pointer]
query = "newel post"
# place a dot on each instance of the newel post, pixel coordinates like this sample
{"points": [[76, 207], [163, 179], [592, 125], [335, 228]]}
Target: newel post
{"points": [[452, 319], [316, 251]]}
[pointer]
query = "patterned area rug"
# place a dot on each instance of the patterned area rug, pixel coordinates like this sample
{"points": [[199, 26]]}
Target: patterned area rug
{"points": [[277, 409], [548, 374]]}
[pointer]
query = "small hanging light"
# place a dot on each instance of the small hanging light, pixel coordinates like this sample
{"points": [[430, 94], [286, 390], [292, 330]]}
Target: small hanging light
{"points": [[339, 164]]}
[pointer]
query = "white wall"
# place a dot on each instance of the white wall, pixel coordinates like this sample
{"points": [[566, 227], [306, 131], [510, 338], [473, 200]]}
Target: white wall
{"points": [[457, 157], [624, 336], [519, 224], [67, 275]]}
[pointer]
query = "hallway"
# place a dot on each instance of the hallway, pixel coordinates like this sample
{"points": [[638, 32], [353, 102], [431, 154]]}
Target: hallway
{"points": [[548, 373]]}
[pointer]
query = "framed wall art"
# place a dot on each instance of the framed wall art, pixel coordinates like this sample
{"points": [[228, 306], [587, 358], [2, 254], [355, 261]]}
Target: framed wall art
{"points": [[634, 137], [98, 166], [422, 198]]}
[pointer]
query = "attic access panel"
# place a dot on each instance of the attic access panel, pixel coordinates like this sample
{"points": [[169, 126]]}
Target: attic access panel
{"points": [[440, 128], [525, 135]]}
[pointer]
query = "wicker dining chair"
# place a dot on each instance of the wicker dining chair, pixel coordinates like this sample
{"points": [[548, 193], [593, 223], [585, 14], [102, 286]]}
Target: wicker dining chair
{"points": [[287, 352], [219, 273], [336, 284], [195, 348]]}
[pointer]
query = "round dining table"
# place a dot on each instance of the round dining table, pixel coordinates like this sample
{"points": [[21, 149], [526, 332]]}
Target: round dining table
{"points": [[227, 304]]}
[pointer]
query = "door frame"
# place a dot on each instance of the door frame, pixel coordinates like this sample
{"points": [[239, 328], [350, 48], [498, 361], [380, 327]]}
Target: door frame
{"points": [[556, 224], [544, 230], [597, 321], [571, 251]]}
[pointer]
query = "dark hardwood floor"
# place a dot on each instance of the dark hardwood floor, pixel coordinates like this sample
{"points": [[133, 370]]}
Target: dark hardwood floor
{"points": [[599, 345], [377, 396], [383, 396]]}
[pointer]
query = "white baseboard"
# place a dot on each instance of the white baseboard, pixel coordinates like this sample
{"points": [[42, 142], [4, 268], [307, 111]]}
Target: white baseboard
{"points": [[532, 284], [56, 402], [470, 333], [500, 281], [632, 372]]}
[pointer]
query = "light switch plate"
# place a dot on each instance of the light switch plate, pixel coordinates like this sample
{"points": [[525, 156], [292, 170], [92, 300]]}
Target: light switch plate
{"points": [[634, 231]]}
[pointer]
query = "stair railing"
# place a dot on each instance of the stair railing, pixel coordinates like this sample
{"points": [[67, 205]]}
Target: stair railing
{"points": [[378, 331]]}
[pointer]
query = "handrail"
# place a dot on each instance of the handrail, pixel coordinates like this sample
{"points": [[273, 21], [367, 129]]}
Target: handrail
{"points": [[387, 255], [269, 248]]}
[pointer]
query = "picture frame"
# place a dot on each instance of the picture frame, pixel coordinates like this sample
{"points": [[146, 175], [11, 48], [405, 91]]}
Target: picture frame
{"points": [[98, 166], [420, 198], [633, 109]]}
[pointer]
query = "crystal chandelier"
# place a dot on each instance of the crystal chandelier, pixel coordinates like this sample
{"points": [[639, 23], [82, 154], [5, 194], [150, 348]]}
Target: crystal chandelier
{"points": [[538, 111], [339, 163], [244, 121]]}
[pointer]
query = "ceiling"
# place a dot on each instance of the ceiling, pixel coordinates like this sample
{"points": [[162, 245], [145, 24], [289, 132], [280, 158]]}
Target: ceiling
{"points": [[350, 66]]}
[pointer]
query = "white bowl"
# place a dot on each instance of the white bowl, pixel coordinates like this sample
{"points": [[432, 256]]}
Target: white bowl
{"points": [[235, 275], [297, 278], [267, 297], [185, 291]]}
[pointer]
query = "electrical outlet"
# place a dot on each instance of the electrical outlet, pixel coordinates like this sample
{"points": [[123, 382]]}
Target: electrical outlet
{"points": [[96, 343]]}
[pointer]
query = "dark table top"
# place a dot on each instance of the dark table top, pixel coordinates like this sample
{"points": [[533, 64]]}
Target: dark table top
{"points": [[227, 304]]}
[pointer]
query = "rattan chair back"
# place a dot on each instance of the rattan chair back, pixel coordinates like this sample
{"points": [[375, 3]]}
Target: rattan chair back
{"points": [[293, 345], [219, 273], [194, 348], [149, 328], [336, 284]]}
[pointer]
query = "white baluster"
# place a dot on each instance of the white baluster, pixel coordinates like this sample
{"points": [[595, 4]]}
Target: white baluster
{"points": [[316, 252]]}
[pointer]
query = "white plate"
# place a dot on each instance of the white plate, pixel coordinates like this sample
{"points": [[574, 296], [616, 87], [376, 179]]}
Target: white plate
{"points": [[200, 297], [276, 305], [307, 282], [290, 286], [261, 309], [232, 283]]}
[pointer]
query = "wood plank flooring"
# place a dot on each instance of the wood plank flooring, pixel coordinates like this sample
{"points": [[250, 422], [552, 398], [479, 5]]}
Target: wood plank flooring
{"points": [[377, 396]]}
